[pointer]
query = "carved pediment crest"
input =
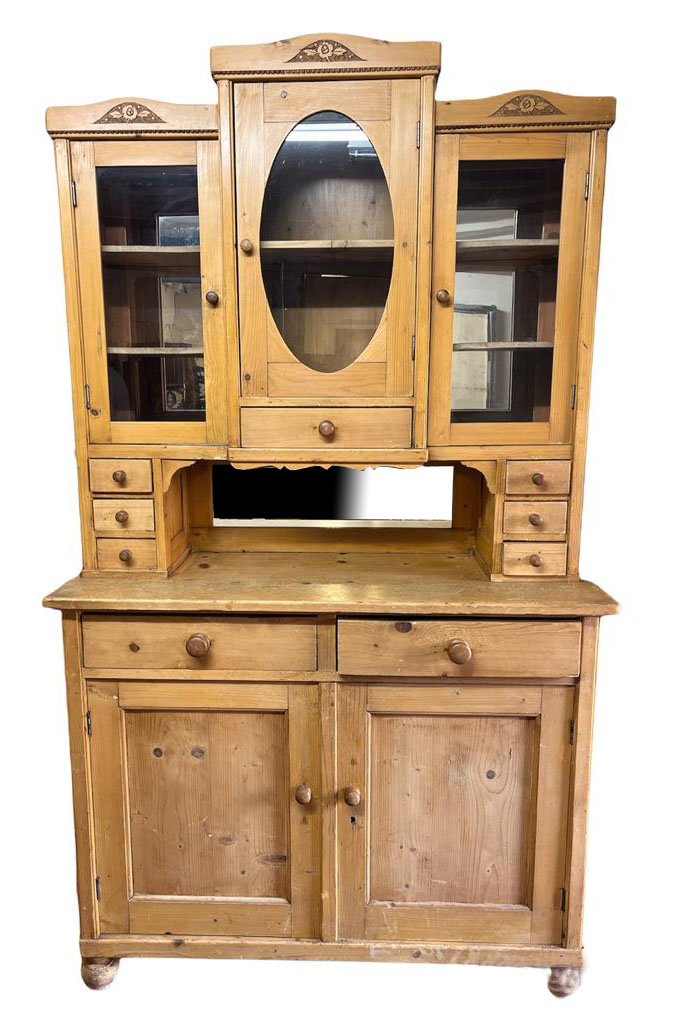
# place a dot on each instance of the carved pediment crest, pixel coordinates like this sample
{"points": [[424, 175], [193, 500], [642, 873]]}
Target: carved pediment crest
{"points": [[329, 50], [130, 113], [527, 104]]}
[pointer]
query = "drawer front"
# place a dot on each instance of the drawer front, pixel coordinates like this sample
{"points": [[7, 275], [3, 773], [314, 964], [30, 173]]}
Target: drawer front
{"points": [[459, 648], [326, 428], [125, 554], [128, 516], [548, 477], [131, 475], [534, 559], [157, 641], [535, 518]]}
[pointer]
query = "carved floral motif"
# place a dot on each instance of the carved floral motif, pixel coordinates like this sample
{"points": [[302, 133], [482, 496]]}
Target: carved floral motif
{"points": [[130, 113], [526, 104], [324, 49]]}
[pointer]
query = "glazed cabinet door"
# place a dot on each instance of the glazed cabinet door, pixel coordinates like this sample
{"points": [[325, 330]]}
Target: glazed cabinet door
{"points": [[327, 198], [206, 808], [509, 218], [150, 277], [453, 812]]}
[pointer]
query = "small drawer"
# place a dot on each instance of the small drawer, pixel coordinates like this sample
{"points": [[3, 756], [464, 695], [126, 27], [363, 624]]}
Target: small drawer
{"points": [[202, 642], [534, 559], [108, 475], [535, 518], [326, 428], [128, 516], [548, 477], [466, 647], [126, 555]]}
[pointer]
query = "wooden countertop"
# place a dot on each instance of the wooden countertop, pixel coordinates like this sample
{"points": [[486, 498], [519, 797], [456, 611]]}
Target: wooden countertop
{"points": [[313, 582]]}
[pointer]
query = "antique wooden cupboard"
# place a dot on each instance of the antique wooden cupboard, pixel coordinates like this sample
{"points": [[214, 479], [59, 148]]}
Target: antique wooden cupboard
{"points": [[306, 734]]}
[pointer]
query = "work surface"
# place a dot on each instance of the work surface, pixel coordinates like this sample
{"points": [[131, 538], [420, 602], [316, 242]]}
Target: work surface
{"points": [[361, 584]]}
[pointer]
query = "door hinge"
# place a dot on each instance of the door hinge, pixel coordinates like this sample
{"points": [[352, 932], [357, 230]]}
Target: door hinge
{"points": [[74, 193], [573, 396], [562, 900], [418, 134], [98, 893], [87, 397], [88, 723], [587, 180], [572, 731], [413, 346]]}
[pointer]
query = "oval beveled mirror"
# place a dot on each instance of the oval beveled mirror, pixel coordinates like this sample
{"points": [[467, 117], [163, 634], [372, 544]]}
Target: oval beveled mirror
{"points": [[326, 241]]}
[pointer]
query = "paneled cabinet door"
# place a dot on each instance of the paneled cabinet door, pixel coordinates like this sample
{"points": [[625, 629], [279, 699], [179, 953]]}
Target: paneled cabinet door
{"points": [[509, 218], [453, 812], [206, 808], [151, 281], [327, 198]]}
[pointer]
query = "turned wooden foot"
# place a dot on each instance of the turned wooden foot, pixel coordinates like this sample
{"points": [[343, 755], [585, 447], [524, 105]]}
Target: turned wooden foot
{"points": [[563, 981], [98, 973]]}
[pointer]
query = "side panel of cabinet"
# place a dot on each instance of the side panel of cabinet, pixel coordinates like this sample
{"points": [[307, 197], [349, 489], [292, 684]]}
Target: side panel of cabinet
{"points": [[460, 832], [197, 830]]}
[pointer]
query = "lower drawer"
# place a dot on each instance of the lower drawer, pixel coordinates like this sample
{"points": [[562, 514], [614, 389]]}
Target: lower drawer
{"points": [[459, 648], [121, 553], [168, 641], [326, 428], [534, 559]]}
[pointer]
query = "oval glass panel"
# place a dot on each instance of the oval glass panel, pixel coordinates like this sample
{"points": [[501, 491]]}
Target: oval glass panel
{"points": [[326, 241]]}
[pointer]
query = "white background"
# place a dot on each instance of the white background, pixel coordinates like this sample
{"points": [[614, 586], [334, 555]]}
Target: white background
{"points": [[71, 53]]}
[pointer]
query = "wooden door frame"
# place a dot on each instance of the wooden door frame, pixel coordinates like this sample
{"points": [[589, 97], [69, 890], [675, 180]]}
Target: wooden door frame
{"points": [[539, 923], [450, 148], [205, 154], [120, 912], [257, 140]]}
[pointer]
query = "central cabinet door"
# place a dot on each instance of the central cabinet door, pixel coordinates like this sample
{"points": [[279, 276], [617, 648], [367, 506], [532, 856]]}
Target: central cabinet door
{"points": [[453, 819], [327, 197], [206, 808]]}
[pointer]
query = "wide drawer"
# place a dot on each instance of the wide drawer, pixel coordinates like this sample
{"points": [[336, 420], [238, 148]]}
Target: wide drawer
{"points": [[326, 428], [456, 648], [128, 515], [164, 641], [550, 476], [108, 475]]}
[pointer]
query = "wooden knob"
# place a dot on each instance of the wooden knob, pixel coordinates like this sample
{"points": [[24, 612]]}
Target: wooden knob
{"points": [[352, 796], [121, 516], [119, 476], [246, 245], [198, 645], [442, 296], [212, 298], [535, 519], [538, 479], [459, 651], [303, 795], [326, 428], [125, 555], [535, 560]]}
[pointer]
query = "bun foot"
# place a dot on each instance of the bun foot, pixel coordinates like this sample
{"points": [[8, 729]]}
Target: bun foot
{"points": [[563, 981], [98, 973]]}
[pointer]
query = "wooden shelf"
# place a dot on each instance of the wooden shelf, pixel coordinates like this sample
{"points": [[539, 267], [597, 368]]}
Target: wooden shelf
{"points": [[151, 255], [484, 250], [493, 346], [330, 243], [131, 350]]}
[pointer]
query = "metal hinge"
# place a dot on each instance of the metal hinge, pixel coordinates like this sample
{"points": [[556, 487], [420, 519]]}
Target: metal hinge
{"points": [[87, 397], [572, 732], [587, 179], [562, 899], [573, 396], [418, 134], [88, 723], [413, 346], [97, 889], [74, 193]]}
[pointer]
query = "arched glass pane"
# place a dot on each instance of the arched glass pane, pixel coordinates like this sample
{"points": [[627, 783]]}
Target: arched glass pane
{"points": [[326, 241]]}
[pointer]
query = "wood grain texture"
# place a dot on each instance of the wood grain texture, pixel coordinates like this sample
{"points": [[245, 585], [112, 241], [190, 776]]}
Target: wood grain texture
{"points": [[139, 513], [552, 515], [520, 556], [555, 475], [142, 554], [137, 478], [96, 120], [525, 110], [354, 428]]}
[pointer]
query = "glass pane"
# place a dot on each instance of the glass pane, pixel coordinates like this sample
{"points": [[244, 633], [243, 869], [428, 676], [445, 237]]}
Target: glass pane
{"points": [[326, 241], [149, 230], [507, 241]]}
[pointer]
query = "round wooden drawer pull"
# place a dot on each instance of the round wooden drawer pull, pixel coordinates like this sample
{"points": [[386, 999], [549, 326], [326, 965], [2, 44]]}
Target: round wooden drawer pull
{"points": [[535, 519], [442, 296], [535, 561], [326, 428], [119, 476], [121, 516], [303, 795], [538, 479], [459, 651], [246, 246], [212, 298], [352, 796], [198, 645], [125, 555]]}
